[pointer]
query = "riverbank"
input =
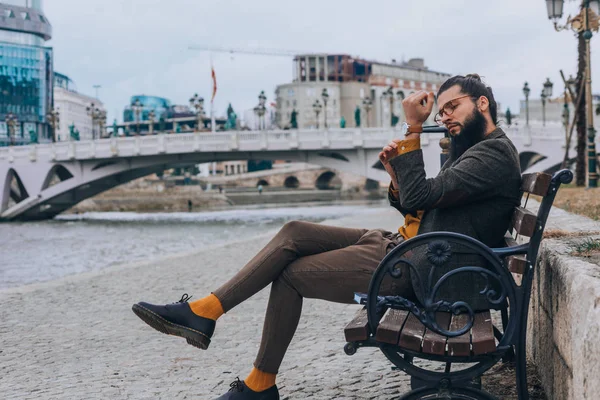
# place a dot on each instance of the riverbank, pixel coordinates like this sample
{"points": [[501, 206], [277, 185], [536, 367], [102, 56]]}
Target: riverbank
{"points": [[192, 198], [76, 337]]}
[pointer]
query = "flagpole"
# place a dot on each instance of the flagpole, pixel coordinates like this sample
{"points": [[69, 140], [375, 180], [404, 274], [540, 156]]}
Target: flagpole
{"points": [[212, 98]]}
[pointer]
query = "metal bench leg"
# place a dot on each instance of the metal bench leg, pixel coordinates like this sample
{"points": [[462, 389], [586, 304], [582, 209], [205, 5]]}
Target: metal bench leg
{"points": [[509, 356], [521, 369]]}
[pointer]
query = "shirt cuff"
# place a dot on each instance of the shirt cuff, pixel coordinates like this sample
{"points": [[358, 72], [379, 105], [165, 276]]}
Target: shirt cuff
{"points": [[393, 192], [406, 146]]}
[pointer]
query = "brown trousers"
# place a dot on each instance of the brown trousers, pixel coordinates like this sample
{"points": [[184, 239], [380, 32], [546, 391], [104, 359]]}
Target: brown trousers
{"points": [[313, 261]]}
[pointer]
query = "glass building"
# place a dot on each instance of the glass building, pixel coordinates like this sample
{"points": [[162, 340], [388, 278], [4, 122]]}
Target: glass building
{"points": [[26, 73], [160, 105]]}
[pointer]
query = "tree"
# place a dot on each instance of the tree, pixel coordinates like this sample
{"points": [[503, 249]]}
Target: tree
{"points": [[508, 117], [581, 129]]}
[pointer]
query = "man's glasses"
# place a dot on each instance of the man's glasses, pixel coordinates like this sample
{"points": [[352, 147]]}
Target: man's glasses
{"points": [[447, 109]]}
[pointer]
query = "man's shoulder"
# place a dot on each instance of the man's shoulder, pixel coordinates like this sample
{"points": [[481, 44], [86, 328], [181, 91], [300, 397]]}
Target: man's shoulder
{"points": [[498, 141]]}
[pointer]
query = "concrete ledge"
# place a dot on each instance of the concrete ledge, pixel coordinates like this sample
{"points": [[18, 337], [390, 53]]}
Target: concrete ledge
{"points": [[564, 318]]}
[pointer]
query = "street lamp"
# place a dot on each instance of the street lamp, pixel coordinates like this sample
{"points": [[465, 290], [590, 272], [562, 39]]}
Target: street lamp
{"points": [[136, 107], [526, 92], [586, 21], [546, 94], [151, 117], [197, 102], [543, 97], [367, 104], [98, 118], [317, 107], [11, 123], [53, 117], [261, 109], [325, 97]]}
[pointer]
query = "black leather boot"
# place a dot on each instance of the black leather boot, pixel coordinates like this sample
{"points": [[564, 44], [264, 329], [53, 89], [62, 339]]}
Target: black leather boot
{"points": [[239, 391], [177, 319]]}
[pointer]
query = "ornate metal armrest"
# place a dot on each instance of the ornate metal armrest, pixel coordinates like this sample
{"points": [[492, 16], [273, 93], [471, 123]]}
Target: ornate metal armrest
{"points": [[497, 281]]}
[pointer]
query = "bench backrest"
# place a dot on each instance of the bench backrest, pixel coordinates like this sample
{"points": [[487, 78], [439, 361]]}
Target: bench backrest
{"points": [[526, 223]]}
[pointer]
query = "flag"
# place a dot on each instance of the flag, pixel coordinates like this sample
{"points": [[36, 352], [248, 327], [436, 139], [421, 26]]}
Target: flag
{"points": [[214, 80]]}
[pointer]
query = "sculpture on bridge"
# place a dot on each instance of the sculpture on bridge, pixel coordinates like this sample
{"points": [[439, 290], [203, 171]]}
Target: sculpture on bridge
{"points": [[508, 117], [115, 131], [342, 122], [231, 119], [73, 132], [294, 119], [357, 116]]}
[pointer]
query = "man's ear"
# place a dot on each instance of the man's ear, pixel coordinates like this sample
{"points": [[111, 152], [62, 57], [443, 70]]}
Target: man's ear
{"points": [[484, 103]]}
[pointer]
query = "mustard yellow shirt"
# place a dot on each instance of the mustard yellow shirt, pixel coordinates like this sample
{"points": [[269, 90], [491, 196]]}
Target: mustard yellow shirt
{"points": [[411, 223]]}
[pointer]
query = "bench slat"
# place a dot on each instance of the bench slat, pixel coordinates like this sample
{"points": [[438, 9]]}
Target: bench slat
{"points": [[517, 264], [358, 328], [412, 334], [482, 334], [390, 326], [536, 183], [434, 343], [460, 345], [524, 221]]}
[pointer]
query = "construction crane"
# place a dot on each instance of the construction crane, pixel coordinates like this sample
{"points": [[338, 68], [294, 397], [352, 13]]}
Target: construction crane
{"points": [[264, 52]]}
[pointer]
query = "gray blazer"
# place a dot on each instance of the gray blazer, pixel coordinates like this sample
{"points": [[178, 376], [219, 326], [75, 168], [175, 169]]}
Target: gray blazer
{"points": [[474, 195]]}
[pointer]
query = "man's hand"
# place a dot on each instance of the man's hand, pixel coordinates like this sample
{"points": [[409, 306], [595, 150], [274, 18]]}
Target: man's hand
{"points": [[390, 151], [416, 113]]}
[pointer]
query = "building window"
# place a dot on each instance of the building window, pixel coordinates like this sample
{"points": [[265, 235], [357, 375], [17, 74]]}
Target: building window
{"points": [[294, 103], [290, 92]]}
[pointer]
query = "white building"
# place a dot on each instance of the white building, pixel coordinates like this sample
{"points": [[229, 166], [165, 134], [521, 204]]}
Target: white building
{"points": [[72, 107], [349, 81]]}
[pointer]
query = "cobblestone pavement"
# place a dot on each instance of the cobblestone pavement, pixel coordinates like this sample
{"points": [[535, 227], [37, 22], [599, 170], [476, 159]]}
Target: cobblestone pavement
{"points": [[77, 338]]}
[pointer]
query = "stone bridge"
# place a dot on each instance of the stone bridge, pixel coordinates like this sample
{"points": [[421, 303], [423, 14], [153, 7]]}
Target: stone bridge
{"points": [[40, 181]]}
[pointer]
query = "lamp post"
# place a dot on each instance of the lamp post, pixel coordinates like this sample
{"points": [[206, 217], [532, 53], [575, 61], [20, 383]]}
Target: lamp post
{"points": [[98, 119], [11, 123], [197, 103], [368, 105], [546, 94], [53, 117], [526, 92], [586, 21], [261, 110], [389, 95], [136, 107], [325, 97], [151, 117], [317, 107]]}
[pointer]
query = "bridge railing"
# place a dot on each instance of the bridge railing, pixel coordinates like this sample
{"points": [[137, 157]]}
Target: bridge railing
{"points": [[274, 140]]}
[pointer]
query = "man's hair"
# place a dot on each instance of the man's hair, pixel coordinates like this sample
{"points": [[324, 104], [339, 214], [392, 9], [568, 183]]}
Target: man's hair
{"points": [[474, 86]]}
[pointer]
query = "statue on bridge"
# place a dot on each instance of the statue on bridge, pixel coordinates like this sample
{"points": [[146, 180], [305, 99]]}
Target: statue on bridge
{"points": [[231, 123], [357, 116], [73, 132], [115, 131], [342, 122], [294, 119]]}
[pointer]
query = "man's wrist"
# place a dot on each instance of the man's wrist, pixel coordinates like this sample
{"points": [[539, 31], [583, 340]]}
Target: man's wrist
{"points": [[412, 136]]}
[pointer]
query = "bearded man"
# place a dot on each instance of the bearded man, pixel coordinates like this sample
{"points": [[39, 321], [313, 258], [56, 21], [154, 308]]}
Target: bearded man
{"points": [[474, 194]]}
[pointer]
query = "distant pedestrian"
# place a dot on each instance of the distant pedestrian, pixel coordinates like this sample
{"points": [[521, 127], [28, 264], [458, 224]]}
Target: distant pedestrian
{"points": [[260, 189], [190, 205]]}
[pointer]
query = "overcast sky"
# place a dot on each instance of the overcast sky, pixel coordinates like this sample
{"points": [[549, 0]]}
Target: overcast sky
{"points": [[141, 46]]}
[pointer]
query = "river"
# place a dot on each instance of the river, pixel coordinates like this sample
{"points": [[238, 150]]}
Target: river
{"points": [[70, 244]]}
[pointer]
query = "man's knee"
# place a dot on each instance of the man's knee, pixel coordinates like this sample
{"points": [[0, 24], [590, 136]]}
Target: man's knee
{"points": [[293, 228]]}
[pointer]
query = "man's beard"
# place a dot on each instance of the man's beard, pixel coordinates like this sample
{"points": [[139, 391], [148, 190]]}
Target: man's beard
{"points": [[473, 132]]}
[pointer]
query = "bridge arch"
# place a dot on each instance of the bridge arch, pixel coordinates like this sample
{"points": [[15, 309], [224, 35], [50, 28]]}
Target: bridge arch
{"points": [[14, 190], [291, 182], [58, 173], [328, 180], [262, 182], [527, 159], [371, 185]]}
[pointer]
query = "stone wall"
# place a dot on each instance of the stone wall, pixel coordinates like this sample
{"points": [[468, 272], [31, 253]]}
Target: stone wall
{"points": [[564, 317]]}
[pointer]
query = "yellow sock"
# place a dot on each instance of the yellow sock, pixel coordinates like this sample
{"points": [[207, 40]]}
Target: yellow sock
{"points": [[208, 307], [259, 381]]}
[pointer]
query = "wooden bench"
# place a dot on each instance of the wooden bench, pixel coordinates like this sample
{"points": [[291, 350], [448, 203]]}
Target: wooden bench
{"points": [[404, 330]]}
